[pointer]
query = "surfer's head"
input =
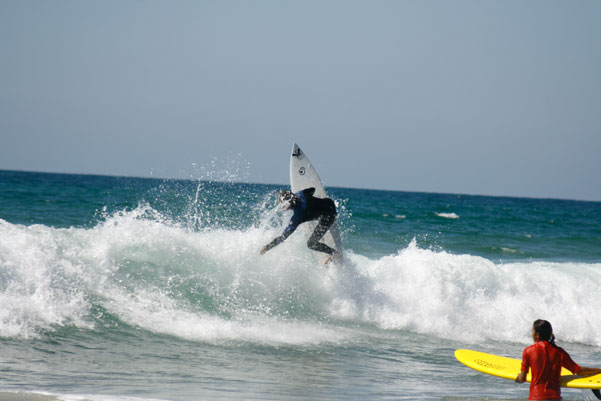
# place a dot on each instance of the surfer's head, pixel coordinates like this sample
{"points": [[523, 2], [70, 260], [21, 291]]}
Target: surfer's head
{"points": [[287, 199], [543, 331]]}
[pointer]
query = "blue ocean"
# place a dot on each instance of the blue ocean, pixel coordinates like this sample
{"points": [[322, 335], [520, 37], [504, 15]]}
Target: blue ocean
{"points": [[120, 289]]}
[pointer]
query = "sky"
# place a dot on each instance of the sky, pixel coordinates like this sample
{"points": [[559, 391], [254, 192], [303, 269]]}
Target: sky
{"points": [[472, 97]]}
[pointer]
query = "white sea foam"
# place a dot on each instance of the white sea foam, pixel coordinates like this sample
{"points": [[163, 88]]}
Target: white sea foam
{"points": [[467, 297], [45, 396], [213, 286], [447, 215], [35, 278], [48, 277]]}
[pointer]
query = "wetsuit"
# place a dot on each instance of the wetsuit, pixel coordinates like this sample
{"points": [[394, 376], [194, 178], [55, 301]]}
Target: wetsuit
{"points": [[545, 362], [309, 208]]}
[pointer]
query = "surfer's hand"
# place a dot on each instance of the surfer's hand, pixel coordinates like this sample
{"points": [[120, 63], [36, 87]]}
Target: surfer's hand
{"points": [[262, 251], [521, 377]]}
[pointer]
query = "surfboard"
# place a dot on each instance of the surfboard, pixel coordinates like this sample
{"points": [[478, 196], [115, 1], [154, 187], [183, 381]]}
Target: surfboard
{"points": [[302, 176], [509, 368]]}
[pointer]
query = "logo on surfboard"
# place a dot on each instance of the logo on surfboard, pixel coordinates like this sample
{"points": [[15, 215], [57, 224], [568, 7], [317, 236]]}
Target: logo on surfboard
{"points": [[301, 171], [298, 154]]}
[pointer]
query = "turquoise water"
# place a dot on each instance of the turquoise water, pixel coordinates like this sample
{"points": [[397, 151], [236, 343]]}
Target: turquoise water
{"points": [[117, 288]]}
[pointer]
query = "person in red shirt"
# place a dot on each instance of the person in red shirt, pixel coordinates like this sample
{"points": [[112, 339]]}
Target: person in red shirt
{"points": [[545, 360]]}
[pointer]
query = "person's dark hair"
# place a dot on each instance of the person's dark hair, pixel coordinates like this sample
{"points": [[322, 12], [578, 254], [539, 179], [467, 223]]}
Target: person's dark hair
{"points": [[288, 197], [545, 330]]}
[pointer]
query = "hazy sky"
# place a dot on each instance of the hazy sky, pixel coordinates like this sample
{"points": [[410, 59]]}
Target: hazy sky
{"points": [[477, 97]]}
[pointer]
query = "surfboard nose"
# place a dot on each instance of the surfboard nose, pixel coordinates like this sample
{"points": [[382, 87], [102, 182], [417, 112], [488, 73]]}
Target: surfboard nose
{"points": [[296, 151]]}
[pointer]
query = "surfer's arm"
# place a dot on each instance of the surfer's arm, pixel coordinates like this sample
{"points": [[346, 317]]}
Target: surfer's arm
{"points": [[584, 371], [274, 243], [573, 367], [294, 222], [521, 378]]}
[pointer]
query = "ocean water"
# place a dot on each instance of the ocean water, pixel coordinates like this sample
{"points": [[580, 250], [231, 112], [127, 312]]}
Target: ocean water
{"points": [[117, 288]]}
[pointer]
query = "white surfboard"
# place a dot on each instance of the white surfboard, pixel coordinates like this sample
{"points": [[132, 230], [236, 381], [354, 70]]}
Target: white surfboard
{"points": [[302, 176]]}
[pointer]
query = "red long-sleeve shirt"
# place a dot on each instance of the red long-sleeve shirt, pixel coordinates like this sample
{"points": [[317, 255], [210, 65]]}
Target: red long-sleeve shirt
{"points": [[545, 361]]}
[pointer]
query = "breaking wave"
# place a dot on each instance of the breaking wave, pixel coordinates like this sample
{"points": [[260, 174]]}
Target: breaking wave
{"points": [[137, 268]]}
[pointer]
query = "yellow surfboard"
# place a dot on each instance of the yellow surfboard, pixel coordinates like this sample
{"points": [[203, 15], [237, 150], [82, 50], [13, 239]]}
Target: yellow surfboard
{"points": [[508, 368]]}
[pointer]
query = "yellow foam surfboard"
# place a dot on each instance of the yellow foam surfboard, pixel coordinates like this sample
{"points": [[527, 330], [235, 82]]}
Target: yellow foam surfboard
{"points": [[508, 368]]}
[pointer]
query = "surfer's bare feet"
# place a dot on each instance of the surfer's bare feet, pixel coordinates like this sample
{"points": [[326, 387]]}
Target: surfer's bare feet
{"points": [[328, 260]]}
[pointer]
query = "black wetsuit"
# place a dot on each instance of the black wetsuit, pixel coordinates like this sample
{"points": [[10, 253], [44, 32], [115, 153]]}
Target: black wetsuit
{"points": [[309, 208]]}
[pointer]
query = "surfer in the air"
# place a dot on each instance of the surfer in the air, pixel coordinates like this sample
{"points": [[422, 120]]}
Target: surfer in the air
{"points": [[306, 207], [545, 359]]}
